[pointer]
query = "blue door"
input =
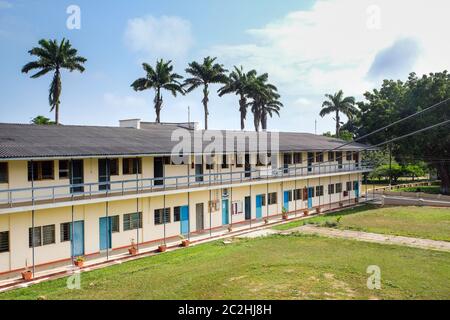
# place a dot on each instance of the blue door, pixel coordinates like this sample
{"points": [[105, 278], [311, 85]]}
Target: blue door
{"points": [[259, 207], [356, 188], [78, 238], [105, 233], [310, 196], [184, 220], [286, 200], [225, 211]]}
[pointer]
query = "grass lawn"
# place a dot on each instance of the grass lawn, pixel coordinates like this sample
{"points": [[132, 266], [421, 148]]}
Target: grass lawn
{"points": [[274, 267], [419, 222], [425, 189]]}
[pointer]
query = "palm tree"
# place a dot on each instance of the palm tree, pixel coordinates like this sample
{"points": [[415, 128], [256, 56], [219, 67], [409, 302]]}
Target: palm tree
{"points": [[264, 100], [54, 56], [203, 75], [159, 78], [238, 83], [337, 103]]}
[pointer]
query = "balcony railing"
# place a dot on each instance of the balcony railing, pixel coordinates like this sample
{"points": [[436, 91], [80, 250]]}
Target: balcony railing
{"points": [[92, 190]]}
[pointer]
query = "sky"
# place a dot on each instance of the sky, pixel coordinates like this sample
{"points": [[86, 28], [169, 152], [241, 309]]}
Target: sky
{"points": [[308, 48]]}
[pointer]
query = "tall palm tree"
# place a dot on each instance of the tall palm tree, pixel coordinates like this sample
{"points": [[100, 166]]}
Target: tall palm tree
{"points": [[238, 83], [337, 103], [203, 75], [54, 56], [159, 78], [264, 100]]}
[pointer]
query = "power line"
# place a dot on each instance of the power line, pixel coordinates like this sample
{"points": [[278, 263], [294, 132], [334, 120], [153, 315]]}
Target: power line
{"points": [[394, 123], [386, 127], [413, 133]]}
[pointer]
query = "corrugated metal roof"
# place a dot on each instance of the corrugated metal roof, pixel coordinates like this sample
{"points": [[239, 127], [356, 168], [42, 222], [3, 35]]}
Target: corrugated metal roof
{"points": [[38, 141]]}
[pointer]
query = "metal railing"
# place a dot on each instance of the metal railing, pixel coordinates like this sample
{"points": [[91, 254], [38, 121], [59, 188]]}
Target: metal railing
{"points": [[90, 190]]}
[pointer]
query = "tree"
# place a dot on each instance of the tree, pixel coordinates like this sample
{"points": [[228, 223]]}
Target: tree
{"points": [[343, 135], [337, 104], [238, 83], [204, 75], [265, 100], [54, 56], [396, 100], [159, 78], [41, 120]]}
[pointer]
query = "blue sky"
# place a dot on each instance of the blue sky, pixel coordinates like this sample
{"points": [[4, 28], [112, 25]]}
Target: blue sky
{"points": [[309, 48]]}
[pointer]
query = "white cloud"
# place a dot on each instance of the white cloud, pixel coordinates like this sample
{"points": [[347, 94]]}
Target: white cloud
{"points": [[127, 101], [5, 4], [164, 37], [331, 47]]}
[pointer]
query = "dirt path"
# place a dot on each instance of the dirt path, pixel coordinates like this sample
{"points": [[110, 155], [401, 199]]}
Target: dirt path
{"points": [[373, 237]]}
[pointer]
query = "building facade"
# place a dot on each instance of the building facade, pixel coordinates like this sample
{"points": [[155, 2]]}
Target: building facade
{"points": [[68, 191]]}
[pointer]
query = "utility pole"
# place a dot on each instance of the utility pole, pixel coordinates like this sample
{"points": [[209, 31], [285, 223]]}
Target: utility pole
{"points": [[390, 165], [189, 117]]}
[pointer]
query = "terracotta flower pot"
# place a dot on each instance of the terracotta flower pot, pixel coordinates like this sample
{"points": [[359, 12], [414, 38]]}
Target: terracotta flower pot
{"points": [[162, 248], [305, 213], [79, 264], [341, 204], [266, 221], [132, 251], [27, 275], [285, 216], [185, 243], [230, 229], [318, 210]]}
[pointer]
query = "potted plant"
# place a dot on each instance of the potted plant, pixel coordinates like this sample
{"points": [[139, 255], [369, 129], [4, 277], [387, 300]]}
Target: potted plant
{"points": [[266, 220], [133, 248], [284, 214], [27, 275], [341, 204], [162, 247], [185, 242], [230, 228], [305, 212], [318, 210], [79, 261]]}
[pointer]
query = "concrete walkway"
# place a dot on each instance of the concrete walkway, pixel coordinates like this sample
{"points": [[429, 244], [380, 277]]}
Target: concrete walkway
{"points": [[373, 237]]}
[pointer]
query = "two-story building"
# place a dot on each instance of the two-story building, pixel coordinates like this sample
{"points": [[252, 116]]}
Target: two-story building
{"points": [[68, 191]]}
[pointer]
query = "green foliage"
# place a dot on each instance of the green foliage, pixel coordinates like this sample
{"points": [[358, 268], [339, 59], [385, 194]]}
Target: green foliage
{"points": [[159, 78], [54, 56], [343, 135], [238, 82], [41, 120], [396, 100], [204, 74], [265, 100], [336, 104]]}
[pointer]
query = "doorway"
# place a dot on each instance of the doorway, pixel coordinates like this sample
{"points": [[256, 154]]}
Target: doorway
{"points": [[104, 174], [158, 170], [76, 176], [78, 239], [105, 232], [248, 208], [199, 217]]}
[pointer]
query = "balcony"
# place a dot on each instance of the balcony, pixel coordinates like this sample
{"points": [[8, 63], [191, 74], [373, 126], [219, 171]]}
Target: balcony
{"points": [[33, 196]]}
